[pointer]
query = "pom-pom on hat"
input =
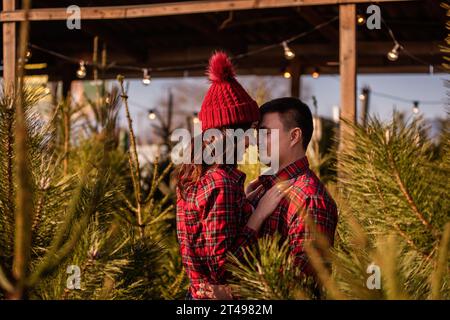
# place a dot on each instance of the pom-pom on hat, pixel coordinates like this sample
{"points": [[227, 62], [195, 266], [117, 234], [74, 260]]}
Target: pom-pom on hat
{"points": [[226, 103]]}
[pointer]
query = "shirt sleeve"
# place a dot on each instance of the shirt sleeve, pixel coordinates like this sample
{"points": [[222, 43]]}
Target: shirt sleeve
{"points": [[224, 226], [322, 219]]}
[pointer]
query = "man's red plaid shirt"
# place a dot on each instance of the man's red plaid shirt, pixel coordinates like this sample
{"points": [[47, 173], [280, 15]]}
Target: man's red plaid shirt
{"points": [[307, 196]]}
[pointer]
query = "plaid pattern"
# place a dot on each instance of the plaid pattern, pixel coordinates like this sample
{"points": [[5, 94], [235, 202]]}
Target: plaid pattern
{"points": [[211, 222], [307, 196]]}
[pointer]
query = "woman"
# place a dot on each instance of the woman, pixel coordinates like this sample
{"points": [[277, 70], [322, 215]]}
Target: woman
{"points": [[214, 217]]}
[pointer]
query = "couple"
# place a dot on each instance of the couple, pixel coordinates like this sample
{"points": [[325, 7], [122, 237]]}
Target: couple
{"points": [[216, 217]]}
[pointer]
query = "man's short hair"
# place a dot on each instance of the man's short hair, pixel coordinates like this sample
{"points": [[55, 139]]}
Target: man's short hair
{"points": [[293, 113]]}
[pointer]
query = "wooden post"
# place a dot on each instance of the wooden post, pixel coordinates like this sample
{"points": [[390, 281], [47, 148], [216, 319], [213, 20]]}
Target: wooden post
{"points": [[9, 48], [296, 79], [347, 66]]}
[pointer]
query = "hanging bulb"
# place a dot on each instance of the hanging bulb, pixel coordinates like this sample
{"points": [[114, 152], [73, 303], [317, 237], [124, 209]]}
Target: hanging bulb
{"points": [[151, 115], [360, 19], [81, 72], [315, 73], [362, 97], [146, 77], [287, 74], [28, 55], [288, 53], [195, 118], [416, 107], [393, 54]]}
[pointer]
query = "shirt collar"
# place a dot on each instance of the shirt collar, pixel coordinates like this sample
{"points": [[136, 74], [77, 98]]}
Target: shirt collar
{"points": [[291, 171], [234, 173]]}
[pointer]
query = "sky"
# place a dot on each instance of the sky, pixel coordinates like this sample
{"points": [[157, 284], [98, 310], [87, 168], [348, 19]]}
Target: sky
{"points": [[188, 94]]}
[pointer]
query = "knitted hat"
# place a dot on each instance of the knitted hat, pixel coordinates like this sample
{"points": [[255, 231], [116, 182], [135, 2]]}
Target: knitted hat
{"points": [[226, 102]]}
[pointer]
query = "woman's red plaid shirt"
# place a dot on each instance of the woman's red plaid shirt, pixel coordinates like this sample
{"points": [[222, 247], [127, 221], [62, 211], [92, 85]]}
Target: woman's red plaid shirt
{"points": [[211, 222]]}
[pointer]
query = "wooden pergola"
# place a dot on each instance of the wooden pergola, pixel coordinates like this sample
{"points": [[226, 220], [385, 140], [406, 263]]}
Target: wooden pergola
{"points": [[165, 33]]}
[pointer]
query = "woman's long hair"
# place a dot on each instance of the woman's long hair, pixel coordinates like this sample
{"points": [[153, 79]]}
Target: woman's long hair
{"points": [[190, 173]]}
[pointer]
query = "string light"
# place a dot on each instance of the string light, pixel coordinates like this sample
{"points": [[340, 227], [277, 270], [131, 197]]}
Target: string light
{"points": [[146, 77], [393, 54], [151, 115], [187, 67], [360, 19], [288, 53], [81, 72], [315, 73]]}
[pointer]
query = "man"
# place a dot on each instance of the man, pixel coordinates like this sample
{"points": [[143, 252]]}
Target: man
{"points": [[309, 213]]}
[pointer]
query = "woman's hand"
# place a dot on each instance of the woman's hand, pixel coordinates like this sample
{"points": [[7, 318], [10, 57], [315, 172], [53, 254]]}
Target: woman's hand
{"points": [[215, 292], [268, 203], [253, 189]]}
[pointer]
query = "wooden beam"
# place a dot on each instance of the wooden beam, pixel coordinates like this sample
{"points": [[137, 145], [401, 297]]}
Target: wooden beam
{"points": [[347, 70], [167, 9], [9, 49]]}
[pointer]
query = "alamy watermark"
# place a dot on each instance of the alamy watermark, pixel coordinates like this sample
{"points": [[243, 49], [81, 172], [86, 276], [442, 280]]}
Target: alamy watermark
{"points": [[74, 278], [214, 146], [374, 18], [374, 280], [73, 20]]}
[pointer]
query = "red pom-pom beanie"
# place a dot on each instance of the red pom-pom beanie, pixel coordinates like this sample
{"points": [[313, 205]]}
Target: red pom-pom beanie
{"points": [[226, 102]]}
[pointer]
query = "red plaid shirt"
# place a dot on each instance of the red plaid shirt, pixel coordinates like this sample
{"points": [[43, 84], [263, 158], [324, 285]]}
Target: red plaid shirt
{"points": [[309, 196], [211, 222]]}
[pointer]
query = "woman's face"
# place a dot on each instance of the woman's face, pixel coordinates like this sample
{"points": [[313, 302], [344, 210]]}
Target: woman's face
{"points": [[230, 144]]}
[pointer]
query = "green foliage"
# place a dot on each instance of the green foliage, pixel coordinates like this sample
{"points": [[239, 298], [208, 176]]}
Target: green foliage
{"points": [[83, 212], [394, 183], [268, 273]]}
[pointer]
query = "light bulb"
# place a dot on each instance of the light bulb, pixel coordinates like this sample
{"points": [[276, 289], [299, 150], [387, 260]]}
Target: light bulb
{"points": [[393, 54], [360, 19], [145, 77], [195, 118], [416, 107], [81, 72], [362, 97], [287, 75], [151, 115], [288, 53], [315, 73]]}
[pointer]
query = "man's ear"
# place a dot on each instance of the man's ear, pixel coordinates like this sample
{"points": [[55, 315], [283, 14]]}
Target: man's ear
{"points": [[296, 136]]}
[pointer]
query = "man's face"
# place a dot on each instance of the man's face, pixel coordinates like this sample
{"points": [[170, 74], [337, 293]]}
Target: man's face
{"points": [[271, 122]]}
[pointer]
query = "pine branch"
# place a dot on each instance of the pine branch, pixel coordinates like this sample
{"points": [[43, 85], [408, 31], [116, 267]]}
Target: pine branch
{"points": [[134, 161], [441, 265]]}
